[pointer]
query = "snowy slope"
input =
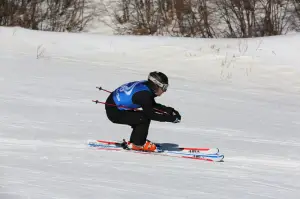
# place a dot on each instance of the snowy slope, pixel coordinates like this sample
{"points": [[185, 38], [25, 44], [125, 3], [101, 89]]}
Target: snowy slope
{"points": [[242, 96]]}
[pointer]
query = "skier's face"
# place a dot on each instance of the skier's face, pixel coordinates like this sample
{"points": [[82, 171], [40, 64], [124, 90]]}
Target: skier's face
{"points": [[159, 91]]}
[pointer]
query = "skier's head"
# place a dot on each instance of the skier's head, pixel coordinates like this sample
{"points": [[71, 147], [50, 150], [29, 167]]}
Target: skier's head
{"points": [[158, 82]]}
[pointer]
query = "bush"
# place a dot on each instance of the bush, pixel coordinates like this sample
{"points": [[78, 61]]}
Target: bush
{"points": [[206, 18], [186, 18], [50, 15]]}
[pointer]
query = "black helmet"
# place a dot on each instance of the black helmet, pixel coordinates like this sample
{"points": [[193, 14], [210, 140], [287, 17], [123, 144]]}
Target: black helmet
{"points": [[158, 79]]}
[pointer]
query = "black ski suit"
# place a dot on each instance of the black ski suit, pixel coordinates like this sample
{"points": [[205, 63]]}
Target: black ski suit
{"points": [[140, 120]]}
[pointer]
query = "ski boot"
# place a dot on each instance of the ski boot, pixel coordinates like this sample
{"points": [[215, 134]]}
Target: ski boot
{"points": [[148, 147]]}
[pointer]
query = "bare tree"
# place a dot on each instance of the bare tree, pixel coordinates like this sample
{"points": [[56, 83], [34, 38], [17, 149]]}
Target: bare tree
{"points": [[52, 15], [296, 14], [188, 18], [277, 17], [161, 17], [207, 18], [239, 17], [252, 18]]}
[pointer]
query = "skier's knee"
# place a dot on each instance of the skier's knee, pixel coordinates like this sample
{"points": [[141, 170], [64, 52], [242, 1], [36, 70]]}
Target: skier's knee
{"points": [[144, 119]]}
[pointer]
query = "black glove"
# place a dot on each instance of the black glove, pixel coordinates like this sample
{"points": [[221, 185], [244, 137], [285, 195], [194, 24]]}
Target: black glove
{"points": [[173, 115], [176, 116]]}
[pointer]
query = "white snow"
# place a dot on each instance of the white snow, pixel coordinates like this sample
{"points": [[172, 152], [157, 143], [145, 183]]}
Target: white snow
{"points": [[240, 95]]}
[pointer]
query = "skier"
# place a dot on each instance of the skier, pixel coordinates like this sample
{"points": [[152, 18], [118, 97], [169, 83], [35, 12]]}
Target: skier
{"points": [[122, 104]]}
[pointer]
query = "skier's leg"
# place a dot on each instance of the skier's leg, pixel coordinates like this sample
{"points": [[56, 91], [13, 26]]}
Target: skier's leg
{"points": [[138, 138], [139, 123], [139, 133], [115, 115], [131, 118], [137, 120]]}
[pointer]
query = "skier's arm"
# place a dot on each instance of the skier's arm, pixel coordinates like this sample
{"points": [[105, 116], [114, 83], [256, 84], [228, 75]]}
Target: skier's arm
{"points": [[164, 108], [167, 109], [145, 99]]}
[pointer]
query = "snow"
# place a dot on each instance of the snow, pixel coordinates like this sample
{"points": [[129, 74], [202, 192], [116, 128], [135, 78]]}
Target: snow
{"points": [[240, 95]]}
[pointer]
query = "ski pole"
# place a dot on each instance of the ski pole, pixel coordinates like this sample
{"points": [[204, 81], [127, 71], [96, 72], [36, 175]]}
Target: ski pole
{"points": [[96, 101], [100, 88]]}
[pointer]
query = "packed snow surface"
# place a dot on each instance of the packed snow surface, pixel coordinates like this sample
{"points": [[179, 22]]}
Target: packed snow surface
{"points": [[240, 95]]}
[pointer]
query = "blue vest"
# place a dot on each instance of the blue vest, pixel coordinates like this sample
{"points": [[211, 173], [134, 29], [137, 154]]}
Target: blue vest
{"points": [[123, 94]]}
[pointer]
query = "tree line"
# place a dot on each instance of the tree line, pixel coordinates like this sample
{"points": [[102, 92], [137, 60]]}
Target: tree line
{"points": [[186, 18]]}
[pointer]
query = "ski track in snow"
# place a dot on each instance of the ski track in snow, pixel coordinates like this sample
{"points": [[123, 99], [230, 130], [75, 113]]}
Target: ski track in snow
{"points": [[248, 107]]}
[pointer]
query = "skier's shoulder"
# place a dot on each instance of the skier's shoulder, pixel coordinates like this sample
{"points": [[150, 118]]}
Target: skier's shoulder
{"points": [[138, 84], [141, 87], [143, 95]]}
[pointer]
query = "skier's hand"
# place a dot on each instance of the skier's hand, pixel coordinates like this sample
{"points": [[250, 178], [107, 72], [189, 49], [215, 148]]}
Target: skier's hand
{"points": [[176, 116], [177, 120], [169, 110]]}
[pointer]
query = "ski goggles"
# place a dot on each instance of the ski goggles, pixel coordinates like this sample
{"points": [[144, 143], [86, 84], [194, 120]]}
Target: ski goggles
{"points": [[164, 87]]}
